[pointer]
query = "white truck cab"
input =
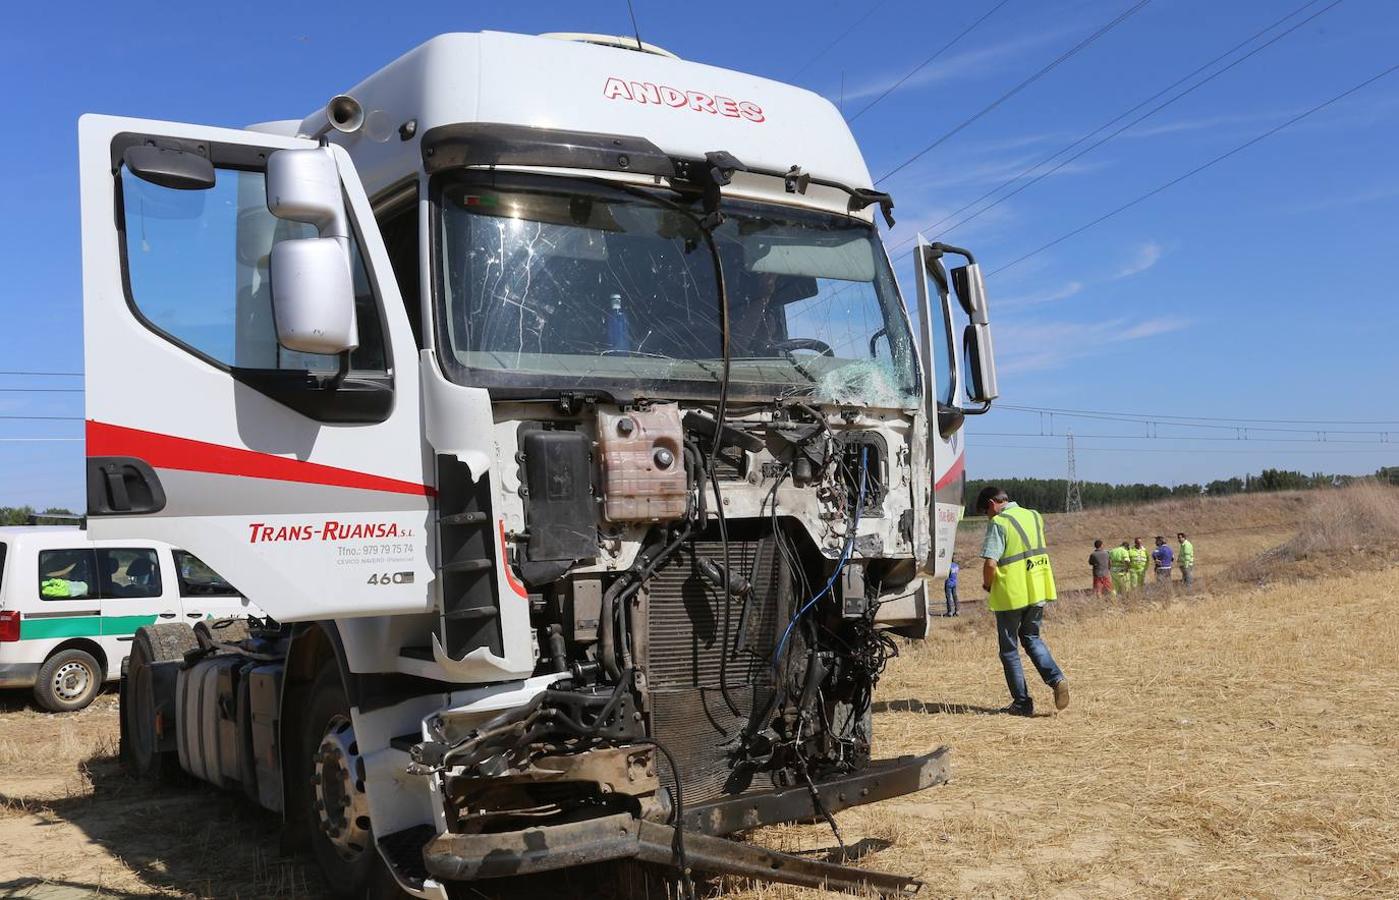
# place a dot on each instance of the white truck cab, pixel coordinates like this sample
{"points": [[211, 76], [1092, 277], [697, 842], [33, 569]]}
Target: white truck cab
{"points": [[555, 399], [70, 607]]}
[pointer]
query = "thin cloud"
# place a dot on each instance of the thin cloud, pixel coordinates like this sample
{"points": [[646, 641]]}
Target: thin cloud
{"points": [[970, 64], [1050, 295], [1146, 256], [1051, 345]]}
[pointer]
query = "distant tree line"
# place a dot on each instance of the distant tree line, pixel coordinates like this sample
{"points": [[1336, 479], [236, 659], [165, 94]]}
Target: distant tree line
{"points": [[21, 515], [1048, 493]]}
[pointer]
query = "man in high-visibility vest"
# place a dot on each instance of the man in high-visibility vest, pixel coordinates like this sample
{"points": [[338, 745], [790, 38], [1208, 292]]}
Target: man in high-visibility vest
{"points": [[1186, 561], [1017, 575], [1140, 557], [1120, 561]]}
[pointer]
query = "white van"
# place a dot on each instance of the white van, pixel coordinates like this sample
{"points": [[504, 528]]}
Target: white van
{"points": [[70, 607]]}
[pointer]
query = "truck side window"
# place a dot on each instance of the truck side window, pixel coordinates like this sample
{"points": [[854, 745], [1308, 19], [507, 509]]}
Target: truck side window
{"points": [[67, 574], [399, 227], [197, 579], [127, 573], [197, 272]]}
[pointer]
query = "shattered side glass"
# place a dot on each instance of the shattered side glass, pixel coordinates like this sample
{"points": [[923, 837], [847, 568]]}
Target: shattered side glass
{"points": [[554, 284]]}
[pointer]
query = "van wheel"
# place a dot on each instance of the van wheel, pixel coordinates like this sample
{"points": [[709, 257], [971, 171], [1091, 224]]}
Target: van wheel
{"points": [[332, 789], [144, 696], [68, 680]]}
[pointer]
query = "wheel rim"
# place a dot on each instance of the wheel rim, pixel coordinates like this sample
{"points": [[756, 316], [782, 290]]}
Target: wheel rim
{"points": [[337, 776], [72, 681]]}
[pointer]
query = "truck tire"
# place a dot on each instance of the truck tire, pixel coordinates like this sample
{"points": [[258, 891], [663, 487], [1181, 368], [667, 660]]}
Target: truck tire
{"points": [[225, 631], [141, 753], [336, 813], [68, 681]]}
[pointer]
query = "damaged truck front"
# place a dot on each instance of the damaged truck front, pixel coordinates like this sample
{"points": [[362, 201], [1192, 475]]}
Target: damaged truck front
{"points": [[589, 473]]}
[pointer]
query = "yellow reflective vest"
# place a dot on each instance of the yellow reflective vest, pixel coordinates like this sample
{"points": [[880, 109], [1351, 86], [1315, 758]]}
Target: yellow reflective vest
{"points": [[1023, 574], [1119, 559], [1139, 555]]}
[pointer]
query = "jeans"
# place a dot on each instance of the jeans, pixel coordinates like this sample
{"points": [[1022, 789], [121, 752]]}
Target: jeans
{"points": [[1187, 574], [949, 593], [1023, 625]]}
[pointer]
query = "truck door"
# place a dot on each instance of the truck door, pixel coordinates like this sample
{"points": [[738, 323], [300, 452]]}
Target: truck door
{"points": [[212, 421], [941, 377]]}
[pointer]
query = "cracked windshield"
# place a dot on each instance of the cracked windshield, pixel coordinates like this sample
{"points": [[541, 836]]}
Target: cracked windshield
{"points": [[578, 286]]}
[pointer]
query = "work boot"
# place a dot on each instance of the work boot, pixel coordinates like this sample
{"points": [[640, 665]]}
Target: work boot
{"points": [[1061, 693], [1020, 709]]}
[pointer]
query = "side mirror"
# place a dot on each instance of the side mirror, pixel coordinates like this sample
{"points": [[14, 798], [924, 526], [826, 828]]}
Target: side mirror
{"points": [[313, 295], [971, 291], [980, 363]]}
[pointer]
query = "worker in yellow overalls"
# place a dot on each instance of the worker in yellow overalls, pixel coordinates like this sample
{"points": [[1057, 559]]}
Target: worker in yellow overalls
{"points": [[1140, 556], [1120, 562]]}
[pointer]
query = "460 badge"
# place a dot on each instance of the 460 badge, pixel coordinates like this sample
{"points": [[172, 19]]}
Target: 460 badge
{"points": [[388, 578]]}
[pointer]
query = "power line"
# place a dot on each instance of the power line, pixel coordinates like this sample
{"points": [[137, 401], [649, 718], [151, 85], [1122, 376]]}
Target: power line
{"points": [[1146, 115], [918, 68], [1154, 416], [1081, 449], [842, 36], [10, 390], [1198, 169], [47, 374], [1381, 437], [36, 440], [1045, 70], [46, 418]]}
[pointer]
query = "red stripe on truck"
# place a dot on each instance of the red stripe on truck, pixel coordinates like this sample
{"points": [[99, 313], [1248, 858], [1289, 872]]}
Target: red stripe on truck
{"points": [[953, 473], [163, 451]]}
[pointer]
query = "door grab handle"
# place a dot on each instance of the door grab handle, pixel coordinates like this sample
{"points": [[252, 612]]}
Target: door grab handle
{"points": [[167, 615]]}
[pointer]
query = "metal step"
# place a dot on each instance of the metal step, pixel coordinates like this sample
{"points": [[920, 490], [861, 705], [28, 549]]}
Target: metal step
{"points": [[469, 565]]}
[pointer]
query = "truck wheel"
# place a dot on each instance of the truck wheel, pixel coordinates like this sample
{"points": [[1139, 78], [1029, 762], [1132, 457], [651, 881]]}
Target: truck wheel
{"points": [[68, 681], [141, 754], [332, 787]]}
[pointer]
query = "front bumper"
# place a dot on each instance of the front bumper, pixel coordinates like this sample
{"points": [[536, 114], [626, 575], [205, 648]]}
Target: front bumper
{"points": [[460, 857], [18, 675]]}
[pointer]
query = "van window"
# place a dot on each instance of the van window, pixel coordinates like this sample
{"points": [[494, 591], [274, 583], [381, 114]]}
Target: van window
{"points": [[128, 572], [197, 579], [67, 574]]}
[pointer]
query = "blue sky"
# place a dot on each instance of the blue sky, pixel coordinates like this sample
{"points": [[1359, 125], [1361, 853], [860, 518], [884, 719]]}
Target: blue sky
{"points": [[1261, 288]]}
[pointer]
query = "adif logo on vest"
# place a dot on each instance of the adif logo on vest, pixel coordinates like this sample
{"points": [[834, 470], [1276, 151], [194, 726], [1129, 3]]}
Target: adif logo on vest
{"points": [[646, 93]]}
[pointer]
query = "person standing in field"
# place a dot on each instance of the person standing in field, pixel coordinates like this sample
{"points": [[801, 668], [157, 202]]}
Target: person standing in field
{"points": [[1164, 559], [1120, 561], [1187, 559], [1017, 575], [1101, 563], [949, 590], [1139, 555]]}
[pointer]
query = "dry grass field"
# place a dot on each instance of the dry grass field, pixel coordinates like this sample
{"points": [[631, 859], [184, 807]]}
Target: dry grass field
{"points": [[1239, 741]]}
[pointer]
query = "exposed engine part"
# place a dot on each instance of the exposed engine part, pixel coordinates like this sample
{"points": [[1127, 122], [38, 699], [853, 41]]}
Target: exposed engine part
{"points": [[643, 479], [875, 452], [730, 436], [560, 511]]}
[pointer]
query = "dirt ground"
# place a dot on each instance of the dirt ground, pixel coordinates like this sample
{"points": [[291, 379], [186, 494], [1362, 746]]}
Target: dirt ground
{"points": [[1235, 742]]}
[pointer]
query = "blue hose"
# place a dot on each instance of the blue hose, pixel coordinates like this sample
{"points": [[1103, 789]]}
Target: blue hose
{"points": [[840, 566]]}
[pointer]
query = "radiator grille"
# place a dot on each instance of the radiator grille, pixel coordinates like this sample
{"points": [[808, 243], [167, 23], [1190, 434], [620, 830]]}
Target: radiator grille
{"points": [[684, 651]]}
